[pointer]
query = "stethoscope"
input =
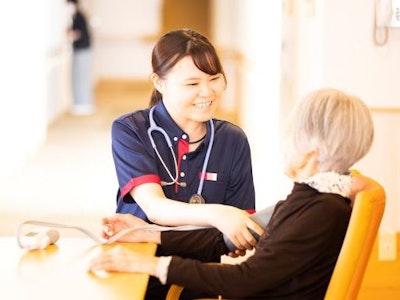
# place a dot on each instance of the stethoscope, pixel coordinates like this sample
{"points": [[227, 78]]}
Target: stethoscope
{"points": [[196, 198]]}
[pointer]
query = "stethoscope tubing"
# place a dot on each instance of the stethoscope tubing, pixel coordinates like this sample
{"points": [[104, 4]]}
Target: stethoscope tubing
{"points": [[206, 159], [155, 127]]}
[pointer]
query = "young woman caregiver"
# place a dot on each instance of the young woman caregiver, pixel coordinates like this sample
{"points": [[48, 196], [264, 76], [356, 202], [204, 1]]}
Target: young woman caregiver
{"points": [[173, 156], [174, 153]]}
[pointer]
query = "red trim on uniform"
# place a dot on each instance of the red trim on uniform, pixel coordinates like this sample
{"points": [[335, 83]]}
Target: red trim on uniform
{"points": [[138, 181], [183, 148], [251, 211]]}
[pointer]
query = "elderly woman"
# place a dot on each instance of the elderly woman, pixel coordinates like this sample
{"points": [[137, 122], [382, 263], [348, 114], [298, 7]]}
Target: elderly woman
{"points": [[295, 257]]}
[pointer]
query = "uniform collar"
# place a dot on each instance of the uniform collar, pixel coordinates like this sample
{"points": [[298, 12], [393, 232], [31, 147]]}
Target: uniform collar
{"points": [[164, 120]]}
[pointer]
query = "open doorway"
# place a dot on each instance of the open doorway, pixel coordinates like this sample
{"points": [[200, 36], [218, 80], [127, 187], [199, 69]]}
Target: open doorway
{"points": [[194, 14]]}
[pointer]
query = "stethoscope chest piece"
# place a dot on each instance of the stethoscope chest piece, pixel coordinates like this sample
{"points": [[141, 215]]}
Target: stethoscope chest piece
{"points": [[196, 199]]}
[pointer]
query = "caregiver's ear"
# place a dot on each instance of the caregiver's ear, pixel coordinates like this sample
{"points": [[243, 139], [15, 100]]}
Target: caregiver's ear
{"points": [[158, 83]]}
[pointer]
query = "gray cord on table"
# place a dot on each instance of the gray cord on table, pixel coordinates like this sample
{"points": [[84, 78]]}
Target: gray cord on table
{"points": [[100, 240]]}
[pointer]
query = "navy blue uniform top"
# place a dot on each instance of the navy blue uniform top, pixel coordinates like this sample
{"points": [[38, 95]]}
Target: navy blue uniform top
{"points": [[228, 178]]}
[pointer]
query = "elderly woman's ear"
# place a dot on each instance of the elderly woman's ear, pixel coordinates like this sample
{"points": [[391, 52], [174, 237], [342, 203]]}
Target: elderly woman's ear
{"points": [[303, 167]]}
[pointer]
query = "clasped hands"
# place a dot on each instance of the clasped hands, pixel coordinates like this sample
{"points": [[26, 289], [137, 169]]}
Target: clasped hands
{"points": [[113, 259]]}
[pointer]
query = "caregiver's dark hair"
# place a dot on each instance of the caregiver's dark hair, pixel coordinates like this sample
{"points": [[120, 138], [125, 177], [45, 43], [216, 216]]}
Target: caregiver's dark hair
{"points": [[177, 44]]}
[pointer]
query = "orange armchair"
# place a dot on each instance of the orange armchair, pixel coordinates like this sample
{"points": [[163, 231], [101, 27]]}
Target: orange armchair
{"points": [[362, 231]]}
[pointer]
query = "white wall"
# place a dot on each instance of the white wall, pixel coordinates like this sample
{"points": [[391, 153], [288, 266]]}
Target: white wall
{"points": [[334, 46], [383, 161], [259, 39], [57, 59], [23, 86]]}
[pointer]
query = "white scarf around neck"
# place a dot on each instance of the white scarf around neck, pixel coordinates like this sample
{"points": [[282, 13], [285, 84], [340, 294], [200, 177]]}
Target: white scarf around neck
{"points": [[331, 182]]}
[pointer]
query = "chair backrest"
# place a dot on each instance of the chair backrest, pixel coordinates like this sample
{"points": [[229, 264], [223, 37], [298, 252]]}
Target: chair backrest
{"points": [[361, 233]]}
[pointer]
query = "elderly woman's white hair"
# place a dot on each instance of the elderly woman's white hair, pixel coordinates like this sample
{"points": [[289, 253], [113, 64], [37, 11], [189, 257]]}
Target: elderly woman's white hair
{"points": [[336, 125]]}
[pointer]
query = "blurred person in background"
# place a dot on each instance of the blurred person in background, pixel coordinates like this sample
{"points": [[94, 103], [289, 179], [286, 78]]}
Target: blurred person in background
{"points": [[82, 86]]}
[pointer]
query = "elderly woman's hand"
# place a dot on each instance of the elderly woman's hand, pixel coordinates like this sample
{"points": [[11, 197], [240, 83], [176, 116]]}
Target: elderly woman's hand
{"points": [[118, 222], [119, 259]]}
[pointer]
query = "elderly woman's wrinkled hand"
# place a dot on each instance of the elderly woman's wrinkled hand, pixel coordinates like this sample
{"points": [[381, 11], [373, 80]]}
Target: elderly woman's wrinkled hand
{"points": [[118, 222]]}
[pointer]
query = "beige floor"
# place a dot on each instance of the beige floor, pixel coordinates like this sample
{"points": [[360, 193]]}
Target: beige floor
{"points": [[71, 178]]}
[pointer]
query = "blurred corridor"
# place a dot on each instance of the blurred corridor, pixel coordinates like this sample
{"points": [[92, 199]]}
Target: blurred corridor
{"points": [[73, 171]]}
